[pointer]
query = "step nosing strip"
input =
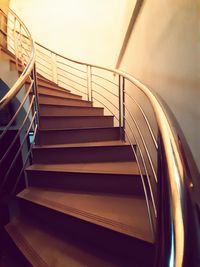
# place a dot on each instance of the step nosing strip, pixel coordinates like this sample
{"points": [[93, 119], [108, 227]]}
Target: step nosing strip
{"points": [[84, 214], [25, 246], [85, 171]]}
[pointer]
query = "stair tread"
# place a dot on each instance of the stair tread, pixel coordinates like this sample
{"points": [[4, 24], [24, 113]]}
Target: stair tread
{"points": [[129, 167], [60, 97], [75, 129], [71, 107], [73, 117], [51, 85], [44, 248], [124, 214], [86, 144], [65, 94]]}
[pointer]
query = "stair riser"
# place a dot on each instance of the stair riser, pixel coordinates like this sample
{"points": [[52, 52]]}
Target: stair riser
{"points": [[87, 182], [46, 110], [49, 84], [78, 136], [61, 101], [76, 122], [95, 235], [82, 154], [54, 92]]}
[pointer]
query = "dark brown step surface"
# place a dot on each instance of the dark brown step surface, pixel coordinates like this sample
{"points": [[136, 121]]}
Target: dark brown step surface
{"points": [[110, 151], [56, 110], [56, 92], [64, 122], [123, 214], [57, 100], [49, 84], [44, 247], [66, 136], [105, 177]]}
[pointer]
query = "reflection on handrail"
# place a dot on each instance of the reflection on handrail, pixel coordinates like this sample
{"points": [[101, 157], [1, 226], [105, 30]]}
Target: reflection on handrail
{"points": [[26, 72], [24, 115], [174, 165]]}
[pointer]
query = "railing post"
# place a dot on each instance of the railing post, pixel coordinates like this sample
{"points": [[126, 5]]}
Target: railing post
{"points": [[54, 68], [36, 105], [120, 106], [89, 83], [123, 109], [121, 86], [15, 44]]}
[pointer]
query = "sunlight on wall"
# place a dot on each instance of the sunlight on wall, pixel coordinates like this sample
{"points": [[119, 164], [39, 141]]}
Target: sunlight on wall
{"points": [[87, 30], [164, 53]]}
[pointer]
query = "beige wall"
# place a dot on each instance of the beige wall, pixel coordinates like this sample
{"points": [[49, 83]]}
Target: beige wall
{"points": [[87, 30], [164, 53], [4, 5]]}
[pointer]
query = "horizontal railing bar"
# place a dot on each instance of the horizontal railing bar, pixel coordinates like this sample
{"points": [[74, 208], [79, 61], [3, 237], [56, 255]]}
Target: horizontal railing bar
{"points": [[18, 132], [143, 183], [144, 144], [18, 152], [46, 61], [145, 167], [44, 72], [26, 72], [71, 80], [25, 162], [60, 62], [105, 79], [70, 86], [106, 99], [145, 117], [47, 56], [17, 112], [97, 100], [72, 74], [105, 89], [38, 62]]}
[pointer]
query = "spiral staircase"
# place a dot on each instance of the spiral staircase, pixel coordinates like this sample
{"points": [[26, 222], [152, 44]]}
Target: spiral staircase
{"points": [[89, 175]]}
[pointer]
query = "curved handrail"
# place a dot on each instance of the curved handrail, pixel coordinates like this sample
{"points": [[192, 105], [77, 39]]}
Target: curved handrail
{"points": [[176, 170], [26, 72]]}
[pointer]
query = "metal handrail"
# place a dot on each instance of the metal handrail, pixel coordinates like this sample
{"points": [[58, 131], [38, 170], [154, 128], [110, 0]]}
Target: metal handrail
{"points": [[26, 72], [169, 154], [24, 114], [175, 168]]}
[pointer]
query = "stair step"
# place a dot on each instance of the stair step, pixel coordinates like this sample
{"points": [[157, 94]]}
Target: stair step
{"points": [[56, 100], [63, 122], [83, 152], [54, 110], [49, 84], [66, 136], [43, 90], [44, 246], [123, 214], [104, 177]]}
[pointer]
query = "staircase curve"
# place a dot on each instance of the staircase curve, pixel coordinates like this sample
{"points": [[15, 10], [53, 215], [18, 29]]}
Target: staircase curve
{"points": [[94, 169]]}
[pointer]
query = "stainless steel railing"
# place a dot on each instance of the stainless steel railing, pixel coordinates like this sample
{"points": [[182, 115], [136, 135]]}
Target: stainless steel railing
{"points": [[115, 91], [18, 132], [143, 121]]}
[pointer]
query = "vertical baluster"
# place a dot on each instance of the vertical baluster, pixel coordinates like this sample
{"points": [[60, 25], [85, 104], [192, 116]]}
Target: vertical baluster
{"points": [[89, 83], [36, 104], [123, 108], [15, 44], [120, 106], [54, 68]]}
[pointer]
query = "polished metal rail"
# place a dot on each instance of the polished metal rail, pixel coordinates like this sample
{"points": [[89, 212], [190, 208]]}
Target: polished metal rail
{"points": [[164, 142], [168, 173], [15, 143]]}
